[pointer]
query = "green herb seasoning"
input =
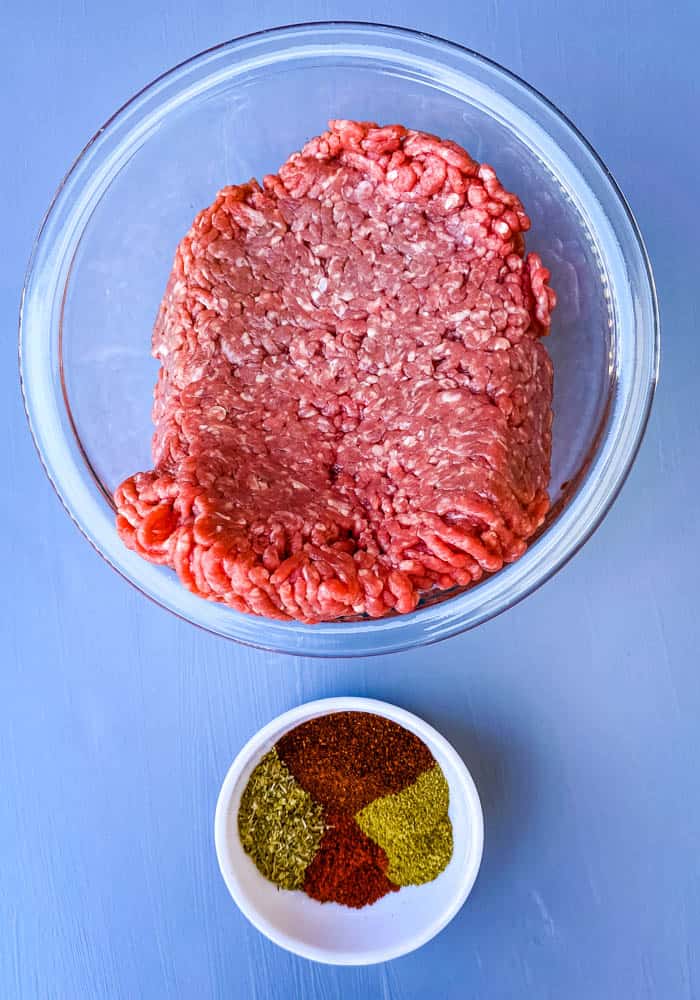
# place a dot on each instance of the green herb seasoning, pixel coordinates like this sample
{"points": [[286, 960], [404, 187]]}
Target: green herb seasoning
{"points": [[279, 824], [413, 828]]}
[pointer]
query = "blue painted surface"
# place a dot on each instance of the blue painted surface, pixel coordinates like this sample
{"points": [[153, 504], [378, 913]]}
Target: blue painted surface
{"points": [[577, 711]]}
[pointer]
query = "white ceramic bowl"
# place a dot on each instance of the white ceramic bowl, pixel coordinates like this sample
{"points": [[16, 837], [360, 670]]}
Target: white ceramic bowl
{"points": [[327, 932]]}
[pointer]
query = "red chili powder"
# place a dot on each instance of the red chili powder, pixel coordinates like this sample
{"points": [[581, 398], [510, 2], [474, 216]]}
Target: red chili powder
{"points": [[345, 760], [348, 868]]}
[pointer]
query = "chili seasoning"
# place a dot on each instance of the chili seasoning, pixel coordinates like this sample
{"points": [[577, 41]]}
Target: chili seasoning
{"points": [[349, 867], [349, 806], [345, 760]]}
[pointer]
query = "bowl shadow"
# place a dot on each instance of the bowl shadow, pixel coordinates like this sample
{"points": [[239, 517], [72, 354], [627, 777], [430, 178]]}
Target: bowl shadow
{"points": [[504, 774]]}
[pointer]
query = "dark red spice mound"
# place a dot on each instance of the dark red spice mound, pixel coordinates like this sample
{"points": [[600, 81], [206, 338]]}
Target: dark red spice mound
{"points": [[348, 868], [347, 759]]}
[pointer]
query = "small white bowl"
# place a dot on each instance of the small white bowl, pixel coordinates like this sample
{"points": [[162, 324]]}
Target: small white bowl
{"points": [[327, 932]]}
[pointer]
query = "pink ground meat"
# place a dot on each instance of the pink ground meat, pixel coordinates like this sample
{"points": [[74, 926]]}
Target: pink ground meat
{"points": [[354, 405]]}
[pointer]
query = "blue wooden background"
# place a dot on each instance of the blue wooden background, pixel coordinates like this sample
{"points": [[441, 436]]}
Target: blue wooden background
{"points": [[577, 711]]}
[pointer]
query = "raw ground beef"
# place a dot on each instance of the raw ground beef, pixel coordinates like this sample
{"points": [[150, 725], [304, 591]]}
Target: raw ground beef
{"points": [[354, 405]]}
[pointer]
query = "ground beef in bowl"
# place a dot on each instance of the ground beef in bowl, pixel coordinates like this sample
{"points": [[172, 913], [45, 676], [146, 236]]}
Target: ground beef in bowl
{"points": [[354, 404]]}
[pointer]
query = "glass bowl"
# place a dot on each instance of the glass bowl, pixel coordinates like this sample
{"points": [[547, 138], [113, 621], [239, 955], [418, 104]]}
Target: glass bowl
{"points": [[102, 258]]}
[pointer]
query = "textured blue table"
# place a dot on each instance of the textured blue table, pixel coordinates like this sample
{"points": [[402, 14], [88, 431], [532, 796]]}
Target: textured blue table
{"points": [[577, 711]]}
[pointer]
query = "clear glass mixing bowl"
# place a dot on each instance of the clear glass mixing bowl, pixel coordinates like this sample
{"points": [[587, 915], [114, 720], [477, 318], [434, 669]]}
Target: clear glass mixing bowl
{"points": [[101, 260]]}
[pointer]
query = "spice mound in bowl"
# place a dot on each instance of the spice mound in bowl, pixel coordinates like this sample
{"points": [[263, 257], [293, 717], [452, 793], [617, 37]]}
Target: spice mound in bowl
{"points": [[348, 807], [349, 831], [353, 408]]}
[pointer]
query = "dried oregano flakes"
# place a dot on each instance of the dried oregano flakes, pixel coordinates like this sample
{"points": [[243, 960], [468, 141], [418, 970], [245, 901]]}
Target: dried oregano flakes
{"points": [[279, 824]]}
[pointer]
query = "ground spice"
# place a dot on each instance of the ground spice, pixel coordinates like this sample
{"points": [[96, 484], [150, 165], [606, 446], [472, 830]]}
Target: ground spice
{"points": [[349, 868], [347, 759], [279, 824], [413, 828]]}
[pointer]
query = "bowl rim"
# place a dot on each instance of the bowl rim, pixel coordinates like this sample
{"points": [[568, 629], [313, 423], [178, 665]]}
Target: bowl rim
{"points": [[434, 740], [339, 639]]}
